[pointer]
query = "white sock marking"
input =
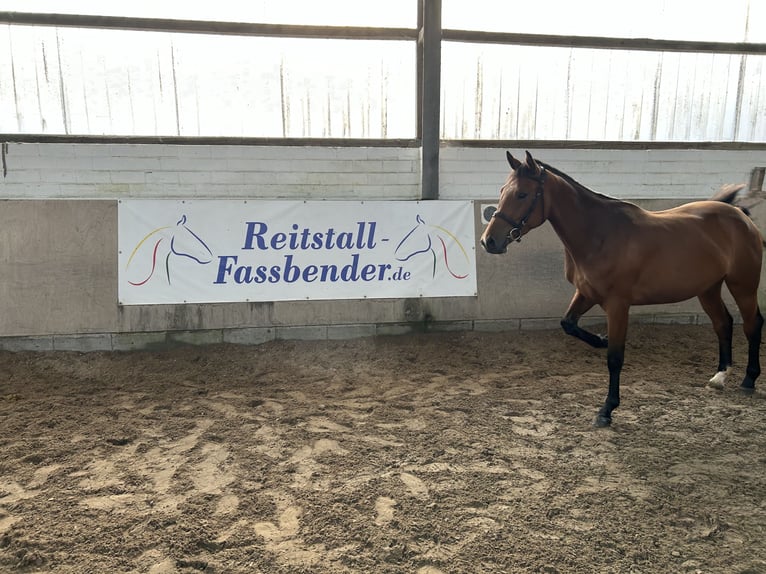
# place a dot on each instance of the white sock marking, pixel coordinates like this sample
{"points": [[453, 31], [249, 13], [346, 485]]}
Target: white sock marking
{"points": [[720, 378]]}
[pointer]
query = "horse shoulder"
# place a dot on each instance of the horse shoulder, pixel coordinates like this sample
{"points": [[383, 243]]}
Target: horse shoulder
{"points": [[575, 271], [569, 266], [578, 276]]}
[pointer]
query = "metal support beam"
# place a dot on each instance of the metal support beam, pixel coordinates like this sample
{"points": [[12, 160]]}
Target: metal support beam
{"points": [[429, 45], [216, 28]]}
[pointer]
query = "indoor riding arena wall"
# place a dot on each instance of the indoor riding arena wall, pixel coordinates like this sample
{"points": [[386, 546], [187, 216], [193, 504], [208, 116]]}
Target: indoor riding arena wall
{"points": [[58, 226]]}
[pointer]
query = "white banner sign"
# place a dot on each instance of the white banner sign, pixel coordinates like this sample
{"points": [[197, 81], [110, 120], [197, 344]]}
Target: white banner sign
{"points": [[207, 251]]}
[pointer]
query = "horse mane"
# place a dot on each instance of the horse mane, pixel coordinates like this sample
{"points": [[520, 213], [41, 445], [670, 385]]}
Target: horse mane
{"points": [[572, 181], [729, 193]]}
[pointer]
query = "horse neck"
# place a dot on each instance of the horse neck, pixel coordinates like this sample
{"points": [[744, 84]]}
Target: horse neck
{"points": [[577, 215]]}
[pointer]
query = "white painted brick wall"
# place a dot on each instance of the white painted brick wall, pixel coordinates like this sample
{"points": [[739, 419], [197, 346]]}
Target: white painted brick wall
{"points": [[115, 171], [478, 173]]}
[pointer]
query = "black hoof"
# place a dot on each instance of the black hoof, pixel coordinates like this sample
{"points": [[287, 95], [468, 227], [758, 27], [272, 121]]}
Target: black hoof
{"points": [[602, 421], [603, 342], [747, 390]]}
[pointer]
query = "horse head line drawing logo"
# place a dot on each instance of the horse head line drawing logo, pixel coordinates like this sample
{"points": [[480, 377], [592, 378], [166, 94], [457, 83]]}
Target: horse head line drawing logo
{"points": [[182, 242], [448, 248]]}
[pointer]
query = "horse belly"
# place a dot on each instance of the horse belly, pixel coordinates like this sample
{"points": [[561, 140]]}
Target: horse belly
{"points": [[658, 296], [676, 279]]}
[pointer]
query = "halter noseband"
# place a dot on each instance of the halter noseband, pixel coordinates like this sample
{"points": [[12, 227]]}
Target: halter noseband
{"points": [[515, 233]]}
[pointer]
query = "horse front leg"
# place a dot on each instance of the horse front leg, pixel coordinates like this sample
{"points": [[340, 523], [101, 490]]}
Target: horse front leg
{"points": [[577, 308], [617, 328]]}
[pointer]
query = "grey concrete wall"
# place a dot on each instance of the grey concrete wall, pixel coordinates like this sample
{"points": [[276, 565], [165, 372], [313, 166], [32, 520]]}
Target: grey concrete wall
{"points": [[59, 269], [60, 280]]}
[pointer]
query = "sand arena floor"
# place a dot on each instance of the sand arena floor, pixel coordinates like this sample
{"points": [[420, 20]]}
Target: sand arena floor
{"points": [[424, 454]]}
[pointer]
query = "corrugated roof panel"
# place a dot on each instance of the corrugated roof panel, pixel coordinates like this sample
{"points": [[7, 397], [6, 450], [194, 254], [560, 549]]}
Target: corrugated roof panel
{"points": [[90, 81], [586, 94], [732, 21], [120, 82]]}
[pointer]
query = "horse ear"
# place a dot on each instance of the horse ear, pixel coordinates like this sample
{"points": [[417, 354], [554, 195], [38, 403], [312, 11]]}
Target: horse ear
{"points": [[512, 161], [532, 165]]}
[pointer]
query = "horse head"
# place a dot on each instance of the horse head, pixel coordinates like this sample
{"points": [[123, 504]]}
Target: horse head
{"points": [[157, 248], [417, 241], [186, 243], [521, 206], [439, 243]]}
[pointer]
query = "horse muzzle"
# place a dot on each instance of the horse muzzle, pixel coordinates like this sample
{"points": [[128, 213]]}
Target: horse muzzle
{"points": [[494, 247]]}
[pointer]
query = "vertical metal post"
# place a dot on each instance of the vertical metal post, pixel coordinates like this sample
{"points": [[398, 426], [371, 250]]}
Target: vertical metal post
{"points": [[419, 73], [756, 180], [429, 45]]}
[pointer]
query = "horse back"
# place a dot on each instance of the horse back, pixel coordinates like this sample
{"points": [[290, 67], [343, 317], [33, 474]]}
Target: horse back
{"points": [[721, 221], [711, 233], [671, 255]]}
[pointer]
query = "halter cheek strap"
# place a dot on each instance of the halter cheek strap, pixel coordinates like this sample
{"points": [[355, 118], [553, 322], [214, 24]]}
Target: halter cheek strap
{"points": [[515, 233]]}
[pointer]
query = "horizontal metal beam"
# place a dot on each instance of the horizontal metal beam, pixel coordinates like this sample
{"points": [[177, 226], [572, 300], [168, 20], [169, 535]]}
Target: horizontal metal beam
{"points": [[602, 43], [207, 27], [604, 144], [373, 33], [207, 140], [358, 142]]}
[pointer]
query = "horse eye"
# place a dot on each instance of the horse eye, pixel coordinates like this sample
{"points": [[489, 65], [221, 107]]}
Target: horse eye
{"points": [[522, 195]]}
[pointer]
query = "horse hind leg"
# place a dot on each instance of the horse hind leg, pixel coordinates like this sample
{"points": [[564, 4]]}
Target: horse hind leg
{"points": [[753, 334], [723, 325], [752, 325]]}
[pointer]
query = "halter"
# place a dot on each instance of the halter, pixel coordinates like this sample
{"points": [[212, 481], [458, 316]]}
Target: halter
{"points": [[515, 233]]}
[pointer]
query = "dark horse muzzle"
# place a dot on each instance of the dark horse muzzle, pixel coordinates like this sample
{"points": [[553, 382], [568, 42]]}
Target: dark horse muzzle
{"points": [[495, 247]]}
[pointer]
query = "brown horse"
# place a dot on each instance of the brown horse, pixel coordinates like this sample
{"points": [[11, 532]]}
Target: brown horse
{"points": [[618, 255]]}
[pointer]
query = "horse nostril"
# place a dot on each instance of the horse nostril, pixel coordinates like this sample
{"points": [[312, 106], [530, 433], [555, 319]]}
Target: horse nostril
{"points": [[492, 246]]}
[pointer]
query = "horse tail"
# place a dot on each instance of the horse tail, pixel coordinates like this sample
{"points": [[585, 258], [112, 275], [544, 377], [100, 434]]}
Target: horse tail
{"points": [[728, 194]]}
